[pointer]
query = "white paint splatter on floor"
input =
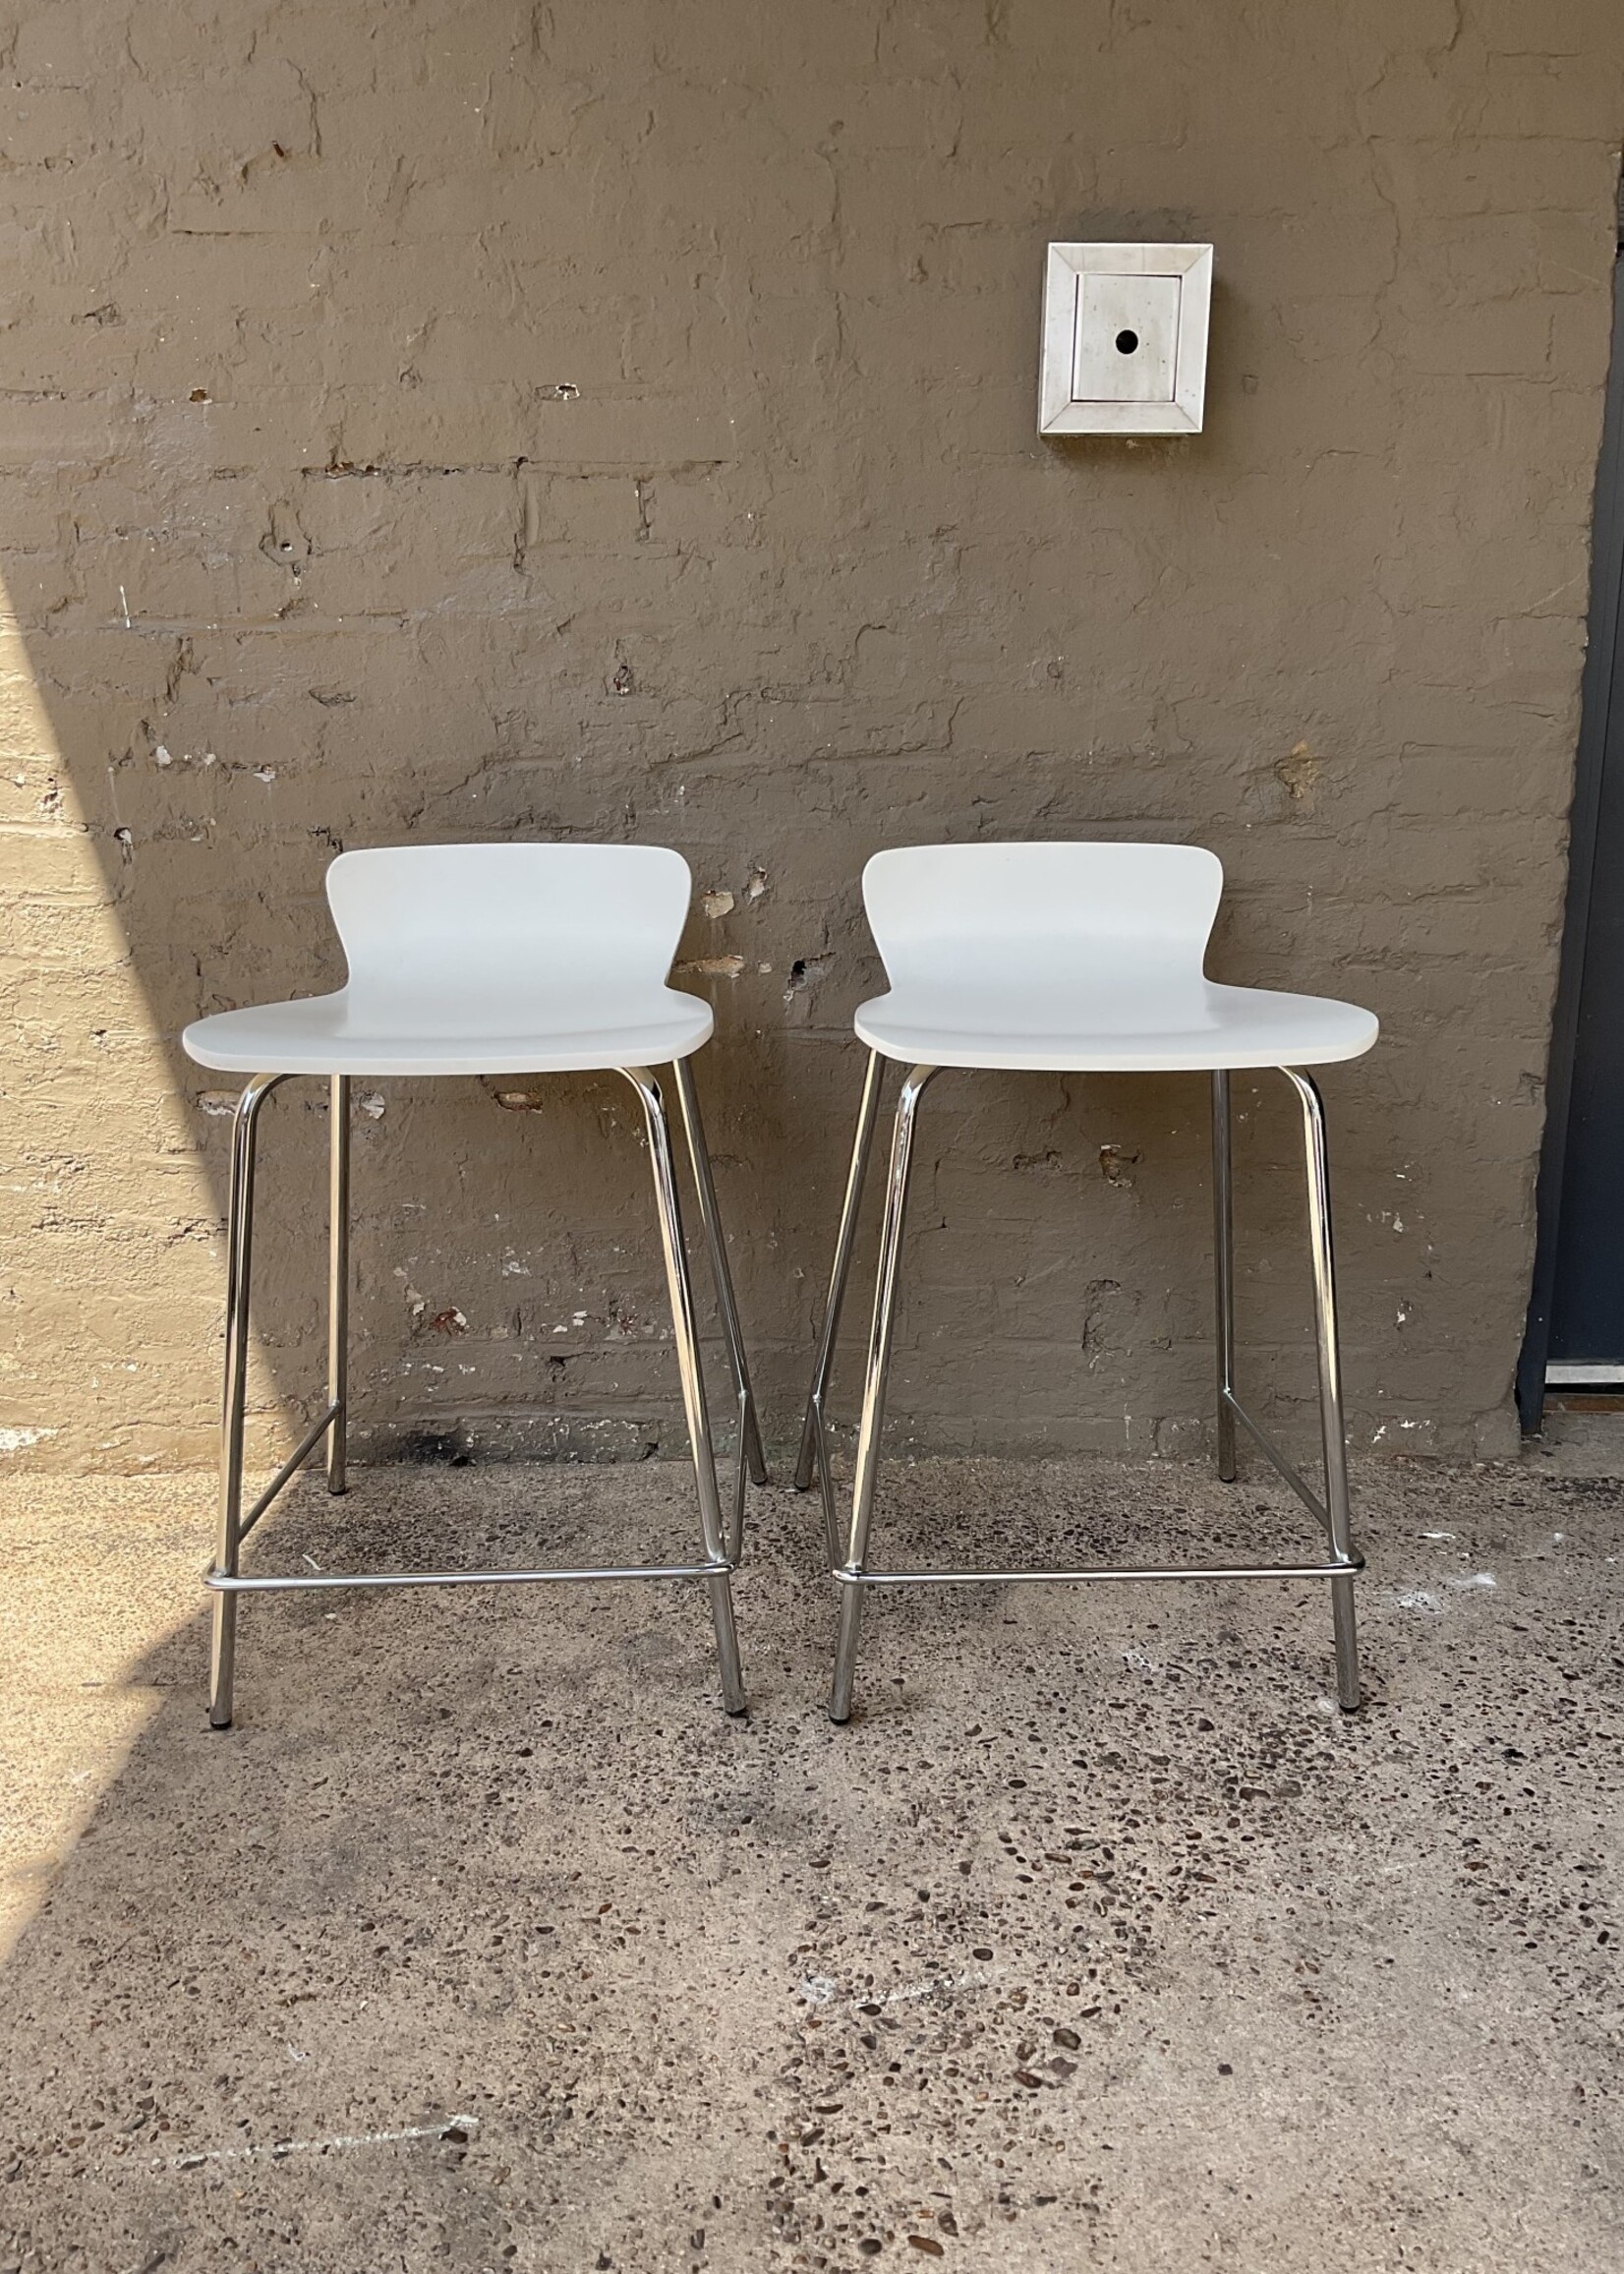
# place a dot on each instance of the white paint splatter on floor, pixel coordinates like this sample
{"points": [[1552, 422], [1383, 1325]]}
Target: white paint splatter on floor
{"points": [[457, 2127]]}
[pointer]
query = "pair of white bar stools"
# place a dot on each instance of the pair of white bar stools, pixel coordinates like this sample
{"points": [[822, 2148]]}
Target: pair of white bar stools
{"points": [[552, 958]]}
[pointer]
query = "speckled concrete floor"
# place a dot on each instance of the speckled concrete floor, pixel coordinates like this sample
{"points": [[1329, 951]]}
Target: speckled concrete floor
{"points": [[1099, 1938]]}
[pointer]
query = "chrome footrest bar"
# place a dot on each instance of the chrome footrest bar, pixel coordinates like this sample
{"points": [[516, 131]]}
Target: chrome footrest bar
{"points": [[1334, 1570], [319, 1581], [1272, 1452], [290, 1466]]}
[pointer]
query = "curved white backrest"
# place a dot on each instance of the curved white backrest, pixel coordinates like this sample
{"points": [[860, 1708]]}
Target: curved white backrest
{"points": [[428, 915], [1049, 913]]}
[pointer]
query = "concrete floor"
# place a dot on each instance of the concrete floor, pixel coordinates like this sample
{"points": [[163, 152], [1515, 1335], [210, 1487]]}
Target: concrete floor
{"points": [[1099, 1938]]}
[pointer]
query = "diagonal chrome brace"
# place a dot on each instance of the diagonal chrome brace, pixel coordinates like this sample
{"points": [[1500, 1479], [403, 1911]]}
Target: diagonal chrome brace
{"points": [[290, 1466], [1272, 1452], [816, 1433], [751, 1463]]}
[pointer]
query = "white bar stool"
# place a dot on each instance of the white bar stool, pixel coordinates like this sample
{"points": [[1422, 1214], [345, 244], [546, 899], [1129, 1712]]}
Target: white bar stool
{"points": [[1075, 959], [469, 959]]}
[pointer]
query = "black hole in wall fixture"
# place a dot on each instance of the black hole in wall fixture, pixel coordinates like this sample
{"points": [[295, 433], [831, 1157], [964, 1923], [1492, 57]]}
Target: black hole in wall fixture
{"points": [[1126, 342]]}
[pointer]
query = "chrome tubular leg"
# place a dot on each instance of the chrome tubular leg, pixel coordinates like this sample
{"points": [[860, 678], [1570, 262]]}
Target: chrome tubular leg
{"points": [[1330, 1381], [338, 1283], [812, 1429], [1223, 1259], [722, 1279], [239, 1262], [681, 1286], [874, 1387]]}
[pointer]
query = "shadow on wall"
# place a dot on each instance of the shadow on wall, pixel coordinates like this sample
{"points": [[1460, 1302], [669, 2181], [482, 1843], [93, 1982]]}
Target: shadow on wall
{"points": [[508, 1296], [564, 427]]}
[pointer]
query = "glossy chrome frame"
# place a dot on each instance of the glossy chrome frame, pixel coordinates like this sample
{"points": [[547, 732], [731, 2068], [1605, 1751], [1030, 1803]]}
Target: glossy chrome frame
{"points": [[722, 1539], [853, 1572]]}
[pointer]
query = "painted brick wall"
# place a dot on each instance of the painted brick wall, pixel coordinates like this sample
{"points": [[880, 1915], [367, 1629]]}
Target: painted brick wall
{"points": [[461, 420]]}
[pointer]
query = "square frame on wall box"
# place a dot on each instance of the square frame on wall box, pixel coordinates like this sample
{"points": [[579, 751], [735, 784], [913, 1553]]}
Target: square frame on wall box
{"points": [[1167, 290]]}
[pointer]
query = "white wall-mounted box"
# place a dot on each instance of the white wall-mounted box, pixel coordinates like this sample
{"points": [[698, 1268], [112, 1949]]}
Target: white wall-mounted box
{"points": [[1124, 339]]}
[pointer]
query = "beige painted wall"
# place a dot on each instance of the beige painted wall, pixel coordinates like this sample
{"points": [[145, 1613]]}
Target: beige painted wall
{"points": [[457, 419]]}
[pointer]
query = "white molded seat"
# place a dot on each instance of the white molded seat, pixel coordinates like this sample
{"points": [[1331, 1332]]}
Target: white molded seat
{"points": [[1074, 958], [485, 959]]}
